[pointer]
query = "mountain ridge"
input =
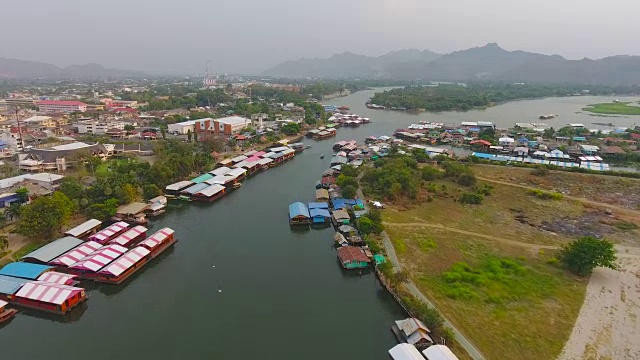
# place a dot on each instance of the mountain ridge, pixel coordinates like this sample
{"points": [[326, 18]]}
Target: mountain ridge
{"points": [[16, 68]]}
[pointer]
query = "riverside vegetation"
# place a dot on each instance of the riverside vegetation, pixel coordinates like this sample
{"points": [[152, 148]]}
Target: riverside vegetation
{"points": [[488, 263], [614, 108]]}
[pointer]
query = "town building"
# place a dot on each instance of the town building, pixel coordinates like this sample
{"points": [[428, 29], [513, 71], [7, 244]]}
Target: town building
{"points": [[41, 120], [95, 127], [58, 157], [55, 106], [226, 126], [182, 128]]}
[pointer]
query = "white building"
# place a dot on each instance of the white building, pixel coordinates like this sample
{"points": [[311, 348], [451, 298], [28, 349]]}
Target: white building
{"points": [[95, 127], [182, 127], [56, 106]]}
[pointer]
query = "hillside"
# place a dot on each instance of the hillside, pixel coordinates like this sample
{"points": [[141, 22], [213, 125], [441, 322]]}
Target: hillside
{"points": [[489, 62], [14, 68], [348, 65]]}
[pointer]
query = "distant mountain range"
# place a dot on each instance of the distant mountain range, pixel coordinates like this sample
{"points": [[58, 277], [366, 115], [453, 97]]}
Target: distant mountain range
{"points": [[489, 62], [13, 68]]}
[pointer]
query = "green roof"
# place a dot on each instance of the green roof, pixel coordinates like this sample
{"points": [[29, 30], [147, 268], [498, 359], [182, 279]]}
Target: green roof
{"points": [[202, 178]]}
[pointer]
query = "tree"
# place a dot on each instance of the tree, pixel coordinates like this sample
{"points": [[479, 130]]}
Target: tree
{"points": [[4, 243], [466, 179], [430, 173], [365, 225], [104, 210], [13, 211], [71, 187], [45, 216], [23, 195], [189, 135], [583, 255], [128, 193], [349, 192], [150, 191], [195, 136], [129, 127], [163, 132]]}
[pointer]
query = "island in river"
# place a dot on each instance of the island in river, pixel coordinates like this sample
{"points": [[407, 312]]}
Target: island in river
{"points": [[614, 108]]}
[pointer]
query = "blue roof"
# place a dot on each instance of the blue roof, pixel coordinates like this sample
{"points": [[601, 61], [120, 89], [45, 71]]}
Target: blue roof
{"points": [[338, 203], [298, 209], [195, 188], [523, 140], [10, 285], [24, 270], [318, 205], [579, 138], [319, 212]]}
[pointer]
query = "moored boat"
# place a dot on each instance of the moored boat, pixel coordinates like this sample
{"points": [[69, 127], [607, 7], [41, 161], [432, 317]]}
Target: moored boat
{"points": [[159, 242], [126, 265], [53, 298], [6, 314]]}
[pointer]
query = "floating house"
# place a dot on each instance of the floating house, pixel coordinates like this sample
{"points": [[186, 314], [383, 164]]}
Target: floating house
{"points": [[224, 163], [439, 352], [133, 212], [74, 255], [352, 257], [265, 163], [87, 267], [157, 206], [299, 214], [52, 250], [322, 195], [405, 352], [220, 171], [24, 270], [5, 313], [202, 178], [9, 286], [320, 215], [224, 180], [210, 193], [192, 190], [237, 173], [125, 266], [159, 241], [341, 217], [130, 237], [412, 331], [85, 229], [54, 298], [175, 189], [110, 233], [340, 240], [58, 278]]}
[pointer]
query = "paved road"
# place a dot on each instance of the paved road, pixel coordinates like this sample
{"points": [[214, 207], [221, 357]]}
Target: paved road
{"points": [[391, 254]]}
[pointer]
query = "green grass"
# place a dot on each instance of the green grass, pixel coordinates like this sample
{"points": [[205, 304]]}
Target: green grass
{"points": [[427, 244], [618, 108], [27, 249]]}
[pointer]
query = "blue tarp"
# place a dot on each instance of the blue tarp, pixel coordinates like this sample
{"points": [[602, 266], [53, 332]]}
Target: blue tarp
{"points": [[24, 270], [318, 205], [319, 213], [10, 285], [298, 209]]}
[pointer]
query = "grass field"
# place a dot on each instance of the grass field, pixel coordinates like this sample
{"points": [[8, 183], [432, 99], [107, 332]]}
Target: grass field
{"points": [[493, 274], [617, 108]]}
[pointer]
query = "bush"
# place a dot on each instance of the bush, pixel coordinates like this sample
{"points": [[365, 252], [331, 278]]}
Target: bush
{"points": [[471, 198], [430, 173], [466, 179], [484, 190], [585, 254], [541, 170], [545, 195], [349, 192]]}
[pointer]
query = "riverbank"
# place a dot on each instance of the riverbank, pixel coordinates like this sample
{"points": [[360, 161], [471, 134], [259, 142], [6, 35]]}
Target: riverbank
{"points": [[614, 108]]}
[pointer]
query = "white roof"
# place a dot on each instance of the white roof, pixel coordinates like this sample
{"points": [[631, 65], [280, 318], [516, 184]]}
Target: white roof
{"points": [[72, 146], [45, 177], [589, 147], [265, 161], [236, 172], [220, 171], [157, 238], [126, 261], [3, 304], [100, 258], [179, 185], [576, 125], [129, 235], [405, 352], [220, 180], [56, 277], [506, 139], [439, 352], [47, 292], [233, 120], [76, 254], [279, 149], [211, 190], [37, 118], [83, 228]]}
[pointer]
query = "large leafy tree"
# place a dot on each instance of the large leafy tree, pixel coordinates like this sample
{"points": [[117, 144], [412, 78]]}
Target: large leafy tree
{"points": [[583, 255], [45, 216]]}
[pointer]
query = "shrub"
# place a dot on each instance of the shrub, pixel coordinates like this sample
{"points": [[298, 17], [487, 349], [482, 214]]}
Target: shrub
{"points": [[466, 179], [484, 190], [545, 195], [583, 255], [430, 173], [471, 198], [540, 170], [349, 192], [427, 244]]}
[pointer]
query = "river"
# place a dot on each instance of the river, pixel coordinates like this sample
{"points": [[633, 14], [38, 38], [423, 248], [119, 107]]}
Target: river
{"points": [[240, 283]]}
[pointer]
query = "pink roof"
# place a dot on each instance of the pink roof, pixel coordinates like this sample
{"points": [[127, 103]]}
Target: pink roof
{"points": [[61, 102], [253, 159], [74, 255], [259, 154], [100, 258], [126, 261], [157, 238], [131, 234], [47, 292], [107, 234], [57, 278]]}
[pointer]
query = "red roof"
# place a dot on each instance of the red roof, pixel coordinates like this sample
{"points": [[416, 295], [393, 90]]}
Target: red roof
{"points": [[61, 102], [483, 142], [352, 253], [148, 134], [635, 136], [241, 137]]}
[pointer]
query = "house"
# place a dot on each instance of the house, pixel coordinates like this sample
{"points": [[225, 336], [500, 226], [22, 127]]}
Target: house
{"points": [[612, 150], [506, 141], [322, 195], [182, 128], [405, 352], [589, 149], [228, 125], [299, 214], [59, 156], [413, 331], [352, 257], [480, 143], [41, 121], [341, 217], [521, 151], [54, 106], [319, 215], [635, 136]]}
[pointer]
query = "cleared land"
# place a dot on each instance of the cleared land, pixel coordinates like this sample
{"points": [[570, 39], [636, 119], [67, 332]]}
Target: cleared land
{"points": [[617, 108], [490, 269]]}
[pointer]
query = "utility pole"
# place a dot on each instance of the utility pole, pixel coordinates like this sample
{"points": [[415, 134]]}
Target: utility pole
{"points": [[16, 108]]}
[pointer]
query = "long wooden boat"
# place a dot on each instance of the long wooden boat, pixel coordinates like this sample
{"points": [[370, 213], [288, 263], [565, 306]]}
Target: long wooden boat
{"points": [[6, 314], [53, 298]]}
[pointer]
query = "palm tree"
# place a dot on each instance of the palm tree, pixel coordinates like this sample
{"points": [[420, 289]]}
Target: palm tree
{"points": [[13, 211]]}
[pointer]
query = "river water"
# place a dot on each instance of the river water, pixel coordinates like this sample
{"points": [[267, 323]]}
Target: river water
{"points": [[242, 284]]}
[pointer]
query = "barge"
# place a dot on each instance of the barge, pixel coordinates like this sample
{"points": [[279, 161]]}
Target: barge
{"points": [[76, 254], [131, 237], [110, 233], [88, 267], [53, 298], [174, 190], [126, 265], [299, 214], [210, 193], [159, 242]]}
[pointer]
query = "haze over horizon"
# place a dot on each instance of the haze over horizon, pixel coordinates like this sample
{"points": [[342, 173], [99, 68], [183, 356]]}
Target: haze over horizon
{"points": [[248, 36]]}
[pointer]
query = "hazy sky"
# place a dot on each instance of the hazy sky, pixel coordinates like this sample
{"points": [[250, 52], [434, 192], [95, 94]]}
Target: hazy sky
{"points": [[251, 35]]}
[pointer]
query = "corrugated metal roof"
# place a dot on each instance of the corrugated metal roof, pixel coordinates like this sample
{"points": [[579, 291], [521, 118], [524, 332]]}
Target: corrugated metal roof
{"points": [[99, 258], [132, 208], [211, 190], [9, 285], [156, 239], [298, 209], [83, 228], [53, 249], [220, 171], [126, 261], [220, 179], [195, 188], [179, 185], [108, 233], [202, 178], [236, 172], [47, 292], [24, 270], [265, 161], [405, 352], [76, 254], [238, 158], [126, 238], [319, 212], [439, 352], [57, 278], [318, 205]]}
